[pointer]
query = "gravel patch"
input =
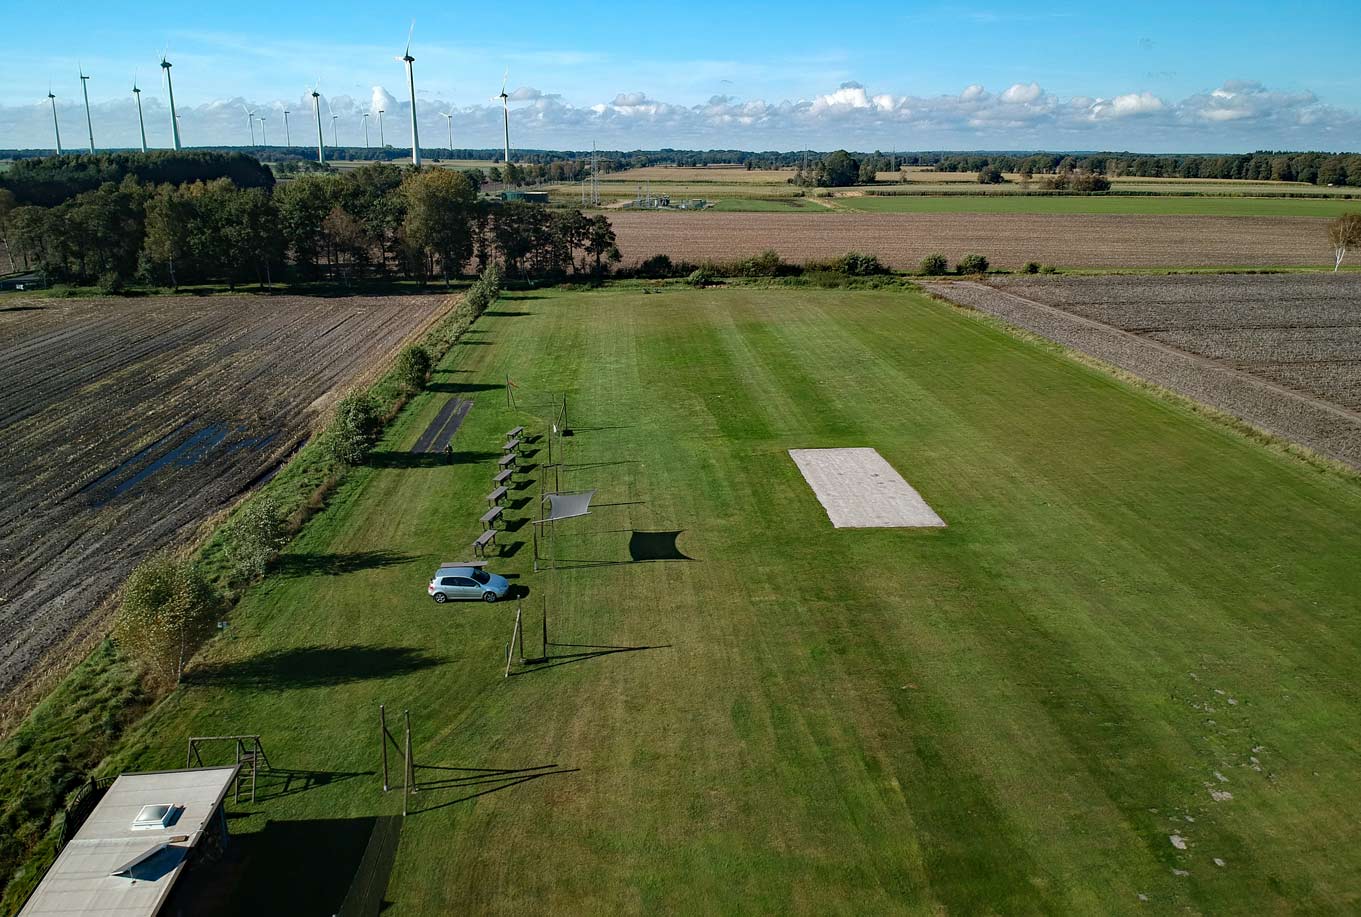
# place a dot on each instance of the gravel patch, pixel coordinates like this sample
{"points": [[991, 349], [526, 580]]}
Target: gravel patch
{"points": [[859, 489]]}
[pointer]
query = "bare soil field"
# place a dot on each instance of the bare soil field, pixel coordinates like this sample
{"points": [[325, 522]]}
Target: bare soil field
{"points": [[1282, 352], [1008, 240], [124, 422]]}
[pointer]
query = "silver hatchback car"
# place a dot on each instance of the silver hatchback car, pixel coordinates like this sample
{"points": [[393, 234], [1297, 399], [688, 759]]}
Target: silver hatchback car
{"points": [[466, 583]]}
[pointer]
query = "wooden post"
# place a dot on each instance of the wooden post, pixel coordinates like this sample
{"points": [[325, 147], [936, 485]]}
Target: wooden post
{"points": [[406, 765], [410, 758], [545, 628], [519, 634], [383, 740]]}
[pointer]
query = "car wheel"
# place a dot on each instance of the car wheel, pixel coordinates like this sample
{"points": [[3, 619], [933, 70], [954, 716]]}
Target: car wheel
{"points": [[489, 596], [441, 598]]}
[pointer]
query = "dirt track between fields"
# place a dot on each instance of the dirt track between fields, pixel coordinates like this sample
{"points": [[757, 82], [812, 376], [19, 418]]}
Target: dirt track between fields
{"points": [[902, 240], [124, 423]]}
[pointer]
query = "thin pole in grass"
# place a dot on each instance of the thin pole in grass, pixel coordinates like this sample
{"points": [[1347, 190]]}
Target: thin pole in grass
{"points": [[383, 740]]}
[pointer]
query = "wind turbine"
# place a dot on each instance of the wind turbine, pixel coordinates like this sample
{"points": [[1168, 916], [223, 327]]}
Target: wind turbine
{"points": [[449, 116], [288, 140], [137, 93], [335, 137], [365, 119], [381, 141], [316, 109], [56, 128], [411, 84], [170, 91], [84, 81], [264, 140], [505, 111], [250, 117]]}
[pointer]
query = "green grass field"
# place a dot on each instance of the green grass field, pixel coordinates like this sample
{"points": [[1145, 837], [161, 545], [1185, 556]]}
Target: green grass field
{"points": [[1172, 206], [769, 205], [1131, 607]]}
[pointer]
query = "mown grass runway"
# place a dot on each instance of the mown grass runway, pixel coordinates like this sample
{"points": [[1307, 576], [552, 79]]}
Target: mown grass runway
{"points": [[1131, 613]]}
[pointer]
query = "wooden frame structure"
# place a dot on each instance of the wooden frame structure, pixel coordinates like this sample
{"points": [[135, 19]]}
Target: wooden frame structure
{"points": [[250, 753]]}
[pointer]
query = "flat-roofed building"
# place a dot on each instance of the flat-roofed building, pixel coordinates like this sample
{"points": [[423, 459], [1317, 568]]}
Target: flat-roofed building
{"points": [[136, 843]]}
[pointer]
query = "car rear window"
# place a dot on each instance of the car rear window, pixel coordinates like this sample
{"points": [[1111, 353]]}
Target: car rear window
{"points": [[448, 581]]}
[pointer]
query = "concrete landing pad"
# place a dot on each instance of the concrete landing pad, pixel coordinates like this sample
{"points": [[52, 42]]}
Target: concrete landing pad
{"points": [[860, 490]]}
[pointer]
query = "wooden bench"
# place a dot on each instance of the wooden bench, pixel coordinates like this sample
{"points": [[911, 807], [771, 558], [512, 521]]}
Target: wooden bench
{"points": [[507, 459], [490, 516], [480, 545], [511, 445], [502, 477], [512, 434], [496, 495]]}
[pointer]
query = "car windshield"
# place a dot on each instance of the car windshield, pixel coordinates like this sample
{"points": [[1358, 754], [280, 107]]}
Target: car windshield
{"points": [[480, 576]]}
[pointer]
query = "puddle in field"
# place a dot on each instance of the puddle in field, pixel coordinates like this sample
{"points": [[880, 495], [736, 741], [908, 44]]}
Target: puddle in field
{"points": [[214, 440]]}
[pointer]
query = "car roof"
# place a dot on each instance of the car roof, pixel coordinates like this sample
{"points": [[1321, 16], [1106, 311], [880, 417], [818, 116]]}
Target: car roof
{"points": [[455, 571]]}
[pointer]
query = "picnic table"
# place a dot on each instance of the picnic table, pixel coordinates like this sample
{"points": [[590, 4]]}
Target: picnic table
{"points": [[496, 495], [480, 545], [507, 459], [502, 477], [490, 516], [511, 445], [512, 434]]}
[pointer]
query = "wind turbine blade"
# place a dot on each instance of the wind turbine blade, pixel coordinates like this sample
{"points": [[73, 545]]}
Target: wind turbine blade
{"points": [[411, 31]]}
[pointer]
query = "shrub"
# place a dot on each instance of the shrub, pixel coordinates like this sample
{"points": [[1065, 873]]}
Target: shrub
{"points": [[1031, 267], [859, 264], [254, 536], [656, 268], [935, 266], [973, 264], [700, 277], [168, 610], [766, 264], [355, 428], [110, 283], [413, 365], [1048, 269], [990, 175]]}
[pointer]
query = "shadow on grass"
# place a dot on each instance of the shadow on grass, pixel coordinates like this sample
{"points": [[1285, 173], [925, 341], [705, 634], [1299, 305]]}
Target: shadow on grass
{"points": [[277, 782], [394, 459], [588, 651], [313, 667], [506, 313], [471, 782], [307, 866], [313, 564], [458, 388]]}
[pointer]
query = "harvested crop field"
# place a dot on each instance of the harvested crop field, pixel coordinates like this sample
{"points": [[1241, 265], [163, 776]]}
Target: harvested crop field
{"points": [[123, 422], [1008, 240], [1282, 352]]}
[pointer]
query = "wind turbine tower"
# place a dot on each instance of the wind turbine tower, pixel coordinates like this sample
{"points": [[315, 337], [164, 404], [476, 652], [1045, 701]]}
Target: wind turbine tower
{"points": [[56, 128], [250, 117], [449, 116], [411, 84], [288, 140], [89, 125], [316, 110], [170, 91], [335, 135], [365, 119], [505, 112], [381, 141], [264, 139], [137, 94]]}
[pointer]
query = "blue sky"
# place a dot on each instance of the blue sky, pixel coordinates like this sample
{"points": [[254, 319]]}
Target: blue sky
{"points": [[1162, 77]]}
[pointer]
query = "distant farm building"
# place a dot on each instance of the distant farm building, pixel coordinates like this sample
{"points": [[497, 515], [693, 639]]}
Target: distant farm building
{"points": [[525, 197]]}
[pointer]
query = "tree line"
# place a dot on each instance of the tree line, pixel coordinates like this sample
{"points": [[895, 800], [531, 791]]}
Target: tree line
{"points": [[376, 221]]}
